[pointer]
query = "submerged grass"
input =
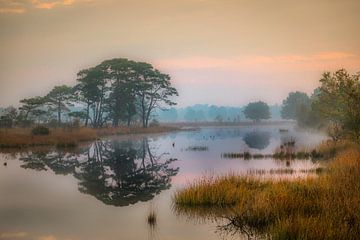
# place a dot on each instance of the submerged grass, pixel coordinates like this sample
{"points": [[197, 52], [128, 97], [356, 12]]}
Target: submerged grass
{"points": [[65, 138], [326, 207]]}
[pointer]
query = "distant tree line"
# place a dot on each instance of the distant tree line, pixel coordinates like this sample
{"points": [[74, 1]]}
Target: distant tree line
{"points": [[210, 113], [117, 91]]}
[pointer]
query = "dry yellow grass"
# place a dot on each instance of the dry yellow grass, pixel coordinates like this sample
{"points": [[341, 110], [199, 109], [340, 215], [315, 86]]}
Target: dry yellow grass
{"points": [[22, 137], [326, 207]]}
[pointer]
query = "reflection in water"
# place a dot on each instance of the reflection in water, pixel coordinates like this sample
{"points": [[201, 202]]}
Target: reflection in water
{"points": [[120, 173], [116, 173], [152, 223], [257, 139], [228, 222]]}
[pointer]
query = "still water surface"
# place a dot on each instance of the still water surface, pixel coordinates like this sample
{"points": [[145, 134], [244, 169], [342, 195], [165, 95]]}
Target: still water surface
{"points": [[106, 189]]}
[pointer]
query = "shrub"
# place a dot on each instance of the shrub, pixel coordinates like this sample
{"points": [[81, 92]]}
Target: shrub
{"points": [[40, 130]]}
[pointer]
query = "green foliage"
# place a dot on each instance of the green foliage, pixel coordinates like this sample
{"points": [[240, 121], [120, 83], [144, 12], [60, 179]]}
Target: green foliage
{"points": [[122, 88], [31, 108], [338, 101], [8, 117], [58, 99], [40, 130], [294, 105], [257, 111]]}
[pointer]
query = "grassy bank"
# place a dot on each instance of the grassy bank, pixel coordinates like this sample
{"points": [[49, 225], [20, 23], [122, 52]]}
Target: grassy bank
{"points": [[22, 137], [326, 207]]}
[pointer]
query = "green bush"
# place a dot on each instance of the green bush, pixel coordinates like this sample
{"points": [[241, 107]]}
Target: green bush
{"points": [[40, 130]]}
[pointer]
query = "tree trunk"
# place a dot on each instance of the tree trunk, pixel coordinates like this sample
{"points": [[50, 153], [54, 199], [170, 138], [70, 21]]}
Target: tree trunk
{"points": [[87, 114], [59, 113], [143, 114], [147, 120], [116, 121]]}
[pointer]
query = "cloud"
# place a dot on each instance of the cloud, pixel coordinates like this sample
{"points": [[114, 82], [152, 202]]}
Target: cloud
{"points": [[13, 6], [49, 237], [22, 6], [41, 4], [12, 10], [317, 61]]}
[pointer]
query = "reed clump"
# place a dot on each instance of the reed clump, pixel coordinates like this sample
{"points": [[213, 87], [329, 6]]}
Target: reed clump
{"points": [[325, 207]]}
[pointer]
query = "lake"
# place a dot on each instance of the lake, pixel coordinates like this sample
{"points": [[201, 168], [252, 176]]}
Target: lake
{"points": [[106, 189]]}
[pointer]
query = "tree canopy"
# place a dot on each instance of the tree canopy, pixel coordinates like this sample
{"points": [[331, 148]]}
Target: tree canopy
{"points": [[58, 100], [257, 111], [291, 106], [115, 91], [338, 99], [118, 89]]}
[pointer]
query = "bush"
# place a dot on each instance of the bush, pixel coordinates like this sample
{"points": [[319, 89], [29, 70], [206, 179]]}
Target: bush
{"points": [[40, 130]]}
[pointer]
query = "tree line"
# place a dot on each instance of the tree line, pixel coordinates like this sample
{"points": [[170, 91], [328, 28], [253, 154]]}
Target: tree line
{"points": [[115, 91]]}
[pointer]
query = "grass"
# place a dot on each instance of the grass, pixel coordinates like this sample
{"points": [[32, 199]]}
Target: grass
{"points": [[325, 207], [65, 138]]}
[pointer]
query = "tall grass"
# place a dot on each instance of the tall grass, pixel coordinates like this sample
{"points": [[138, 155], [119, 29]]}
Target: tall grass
{"points": [[326, 207]]}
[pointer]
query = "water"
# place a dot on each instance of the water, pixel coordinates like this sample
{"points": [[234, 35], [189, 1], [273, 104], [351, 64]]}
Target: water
{"points": [[106, 189]]}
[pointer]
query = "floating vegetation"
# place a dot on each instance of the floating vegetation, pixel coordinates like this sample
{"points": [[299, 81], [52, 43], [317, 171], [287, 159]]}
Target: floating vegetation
{"points": [[281, 155], [280, 171], [283, 130], [198, 148], [314, 154]]}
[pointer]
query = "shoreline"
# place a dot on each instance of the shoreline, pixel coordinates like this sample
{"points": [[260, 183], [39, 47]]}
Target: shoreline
{"points": [[22, 138]]}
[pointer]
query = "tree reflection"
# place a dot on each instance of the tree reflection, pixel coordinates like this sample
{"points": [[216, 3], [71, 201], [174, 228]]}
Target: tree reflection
{"points": [[60, 162], [257, 139], [228, 222], [116, 173]]}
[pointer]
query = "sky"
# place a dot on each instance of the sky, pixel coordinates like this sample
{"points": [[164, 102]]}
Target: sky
{"points": [[223, 52]]}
